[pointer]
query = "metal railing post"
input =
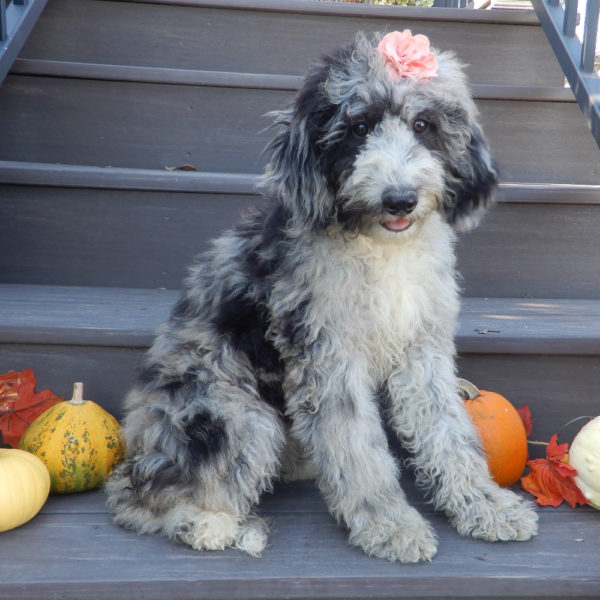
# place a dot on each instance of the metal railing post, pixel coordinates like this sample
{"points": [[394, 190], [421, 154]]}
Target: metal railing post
{"points": [[3, 30], [570, 23], [590, 33], [576, 59]]}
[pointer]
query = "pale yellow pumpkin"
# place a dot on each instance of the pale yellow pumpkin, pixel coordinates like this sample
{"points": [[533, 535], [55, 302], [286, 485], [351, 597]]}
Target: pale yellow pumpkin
{"points": [[24, 487], [78, 441], [584, 457]]}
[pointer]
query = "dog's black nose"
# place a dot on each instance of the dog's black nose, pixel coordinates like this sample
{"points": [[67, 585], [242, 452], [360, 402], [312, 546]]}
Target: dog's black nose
{"points": [[398, 202]]}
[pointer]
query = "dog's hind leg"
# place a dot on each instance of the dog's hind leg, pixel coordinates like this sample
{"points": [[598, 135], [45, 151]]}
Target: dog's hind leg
{"points": [[200, 453]]}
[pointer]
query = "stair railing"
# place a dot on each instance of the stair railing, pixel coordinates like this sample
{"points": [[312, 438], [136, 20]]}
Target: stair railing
{"points": [[576, 57], [16, 22], [559, 19]]}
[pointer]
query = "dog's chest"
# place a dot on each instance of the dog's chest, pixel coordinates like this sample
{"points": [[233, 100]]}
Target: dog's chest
{"points": [[377, 300]]}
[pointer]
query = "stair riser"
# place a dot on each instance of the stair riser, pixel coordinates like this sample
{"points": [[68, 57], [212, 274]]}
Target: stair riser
{"points": [[219, 39], [141, 125], [556, 388], [107, 237], [533, 251], [100, 237]]}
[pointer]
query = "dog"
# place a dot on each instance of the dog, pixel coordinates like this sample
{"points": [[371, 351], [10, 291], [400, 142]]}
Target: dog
{"points": [[325, 319]]}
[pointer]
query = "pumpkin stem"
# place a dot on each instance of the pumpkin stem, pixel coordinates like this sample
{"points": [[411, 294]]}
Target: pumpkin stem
{"points": [[467, 390], [568, 424], [77, 393]]}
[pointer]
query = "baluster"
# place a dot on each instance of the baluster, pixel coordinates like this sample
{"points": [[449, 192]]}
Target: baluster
{"points": [[3, 33], [570, 22], [590, 32]]}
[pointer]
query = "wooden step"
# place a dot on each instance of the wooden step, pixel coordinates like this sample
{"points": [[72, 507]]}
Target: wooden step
{"points": [[141, 228], [81, 554], [127, 317], [284, 36], [543, 353], [78, 120], [185, 102]]}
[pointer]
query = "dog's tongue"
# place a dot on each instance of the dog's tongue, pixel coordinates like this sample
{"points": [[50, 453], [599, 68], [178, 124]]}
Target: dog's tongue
{"points": [[398, 224]]}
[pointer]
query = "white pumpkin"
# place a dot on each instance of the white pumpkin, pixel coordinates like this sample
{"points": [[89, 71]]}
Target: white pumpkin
{"points": [[24, 487], [584, 456]]}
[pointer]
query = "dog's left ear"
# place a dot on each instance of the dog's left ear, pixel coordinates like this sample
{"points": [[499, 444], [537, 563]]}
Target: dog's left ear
{"points": [[293, 172], [473, 179]]}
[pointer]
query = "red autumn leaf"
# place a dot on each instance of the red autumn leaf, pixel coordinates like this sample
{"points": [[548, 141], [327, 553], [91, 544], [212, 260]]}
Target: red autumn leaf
{"points": [[525, 415], [20, 405], [551, 479]]}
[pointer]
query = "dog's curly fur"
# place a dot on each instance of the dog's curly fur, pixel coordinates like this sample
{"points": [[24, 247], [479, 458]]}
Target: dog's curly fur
{"points": [[331, 308]]}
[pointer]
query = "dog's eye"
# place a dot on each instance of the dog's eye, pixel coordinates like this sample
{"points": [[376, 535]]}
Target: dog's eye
{"points": [[361, 129], [420, 125]]}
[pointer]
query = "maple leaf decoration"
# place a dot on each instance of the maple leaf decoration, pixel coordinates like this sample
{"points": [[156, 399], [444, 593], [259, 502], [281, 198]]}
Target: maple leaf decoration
{"points": [[525, 415], [20, 405], [551, 479]]}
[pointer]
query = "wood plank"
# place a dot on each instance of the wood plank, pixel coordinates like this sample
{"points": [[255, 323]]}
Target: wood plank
{"points": [[532, 251], [128, 318], [213, 129], [342, 9], [81, 70], [557, 388], [223, 129], [107, 372], [83, 554], [540, 142], [123, 178], [147, 239], [165, 180], [281, 42], [505, 326], [82, 316]]}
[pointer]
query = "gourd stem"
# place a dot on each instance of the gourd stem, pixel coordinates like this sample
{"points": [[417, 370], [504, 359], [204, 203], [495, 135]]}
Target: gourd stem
{"points": [[468, 390], [560, 431], [77, 393]]}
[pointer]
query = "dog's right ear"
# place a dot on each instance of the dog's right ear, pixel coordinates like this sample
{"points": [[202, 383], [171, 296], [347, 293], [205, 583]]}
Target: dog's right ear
{"points": [[471, 191], [293, 170]]}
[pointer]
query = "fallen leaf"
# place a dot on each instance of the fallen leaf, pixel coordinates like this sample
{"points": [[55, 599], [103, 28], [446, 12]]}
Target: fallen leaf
{"points": [[20, 405], [182, 168], [551, 479], [525, 415]]}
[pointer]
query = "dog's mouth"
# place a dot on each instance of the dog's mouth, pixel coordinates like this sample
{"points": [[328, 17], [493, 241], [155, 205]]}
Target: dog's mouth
{"points": [[396, 225]]}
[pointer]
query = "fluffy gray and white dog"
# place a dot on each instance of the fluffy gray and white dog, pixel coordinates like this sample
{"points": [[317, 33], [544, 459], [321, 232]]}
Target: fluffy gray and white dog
{"points": [[328, 311]]}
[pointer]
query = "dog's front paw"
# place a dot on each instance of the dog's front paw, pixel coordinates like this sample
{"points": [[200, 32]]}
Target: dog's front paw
{"points": [[409, 540], [503, 516]]}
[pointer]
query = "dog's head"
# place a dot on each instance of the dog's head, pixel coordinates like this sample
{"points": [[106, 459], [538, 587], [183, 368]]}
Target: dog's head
{"points": [[382, 133]]}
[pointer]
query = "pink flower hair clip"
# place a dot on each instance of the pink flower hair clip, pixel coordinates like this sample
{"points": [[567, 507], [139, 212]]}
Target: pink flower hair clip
{"points": [[408, 56]]}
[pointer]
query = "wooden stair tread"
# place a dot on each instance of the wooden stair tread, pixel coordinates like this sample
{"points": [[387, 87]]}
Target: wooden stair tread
{"points": [[80, 553], [14, 172], [129, 317]]}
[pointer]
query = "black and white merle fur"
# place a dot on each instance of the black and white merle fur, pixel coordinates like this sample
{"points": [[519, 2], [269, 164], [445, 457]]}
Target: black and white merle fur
{"points": [[329, 309]]}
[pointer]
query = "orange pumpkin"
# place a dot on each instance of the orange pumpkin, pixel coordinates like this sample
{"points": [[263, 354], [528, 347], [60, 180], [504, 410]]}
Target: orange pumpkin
{"points": [[501, 430]]}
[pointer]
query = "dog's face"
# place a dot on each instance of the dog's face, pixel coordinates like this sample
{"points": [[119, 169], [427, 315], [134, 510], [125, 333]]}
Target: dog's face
{"points": [[371, 152]]}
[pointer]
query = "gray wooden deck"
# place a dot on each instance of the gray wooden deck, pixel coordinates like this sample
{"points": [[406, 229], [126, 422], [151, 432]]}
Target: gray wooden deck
{"points": [[71, 550]]}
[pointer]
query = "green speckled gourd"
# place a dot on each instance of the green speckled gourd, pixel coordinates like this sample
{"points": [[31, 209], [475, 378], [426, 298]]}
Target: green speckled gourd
{"points": [[78, 441]]}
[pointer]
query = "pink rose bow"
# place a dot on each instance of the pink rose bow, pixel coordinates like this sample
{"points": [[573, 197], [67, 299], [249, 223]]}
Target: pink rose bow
{"points": [[408, 56]]}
